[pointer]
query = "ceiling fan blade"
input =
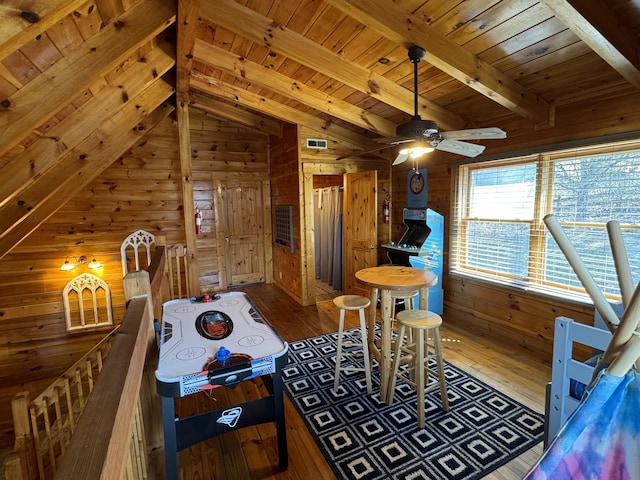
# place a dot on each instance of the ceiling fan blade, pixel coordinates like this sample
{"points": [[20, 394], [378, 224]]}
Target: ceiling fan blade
{"points": [[474, 133], [360, 154], [401, 158], [460, 148], [393, 140]]}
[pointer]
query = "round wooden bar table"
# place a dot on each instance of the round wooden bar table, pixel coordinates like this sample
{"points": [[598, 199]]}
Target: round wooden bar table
{"points": [[386, 279]]}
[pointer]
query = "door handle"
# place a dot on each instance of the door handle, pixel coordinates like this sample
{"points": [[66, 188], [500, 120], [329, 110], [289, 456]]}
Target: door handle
{"points": [[226, 239], [372, 247]]}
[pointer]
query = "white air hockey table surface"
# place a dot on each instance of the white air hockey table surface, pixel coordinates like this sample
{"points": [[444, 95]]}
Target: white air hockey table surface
{"points": [[194, 330]]}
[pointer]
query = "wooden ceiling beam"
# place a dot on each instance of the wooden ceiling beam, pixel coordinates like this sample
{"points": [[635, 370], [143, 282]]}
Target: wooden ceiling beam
{"points": [[263, 123], [20, 25], [26, 167], [265, 31], [188, 11], [80, 165], [215, 87], [401, 26], [596, 24], [75, 72], [270, 79]]}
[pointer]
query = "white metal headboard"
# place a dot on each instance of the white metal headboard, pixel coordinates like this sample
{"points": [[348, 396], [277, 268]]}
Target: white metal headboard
{"points": [[135, 240]]}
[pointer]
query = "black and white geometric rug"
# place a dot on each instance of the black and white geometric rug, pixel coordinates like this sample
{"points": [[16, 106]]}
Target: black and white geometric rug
{"points": [[363, 438]]}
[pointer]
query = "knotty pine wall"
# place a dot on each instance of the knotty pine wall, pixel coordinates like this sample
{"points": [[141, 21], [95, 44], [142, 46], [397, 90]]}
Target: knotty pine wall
{"points": [[221, 152], [286, 190], [140, 190], [504, 314]]}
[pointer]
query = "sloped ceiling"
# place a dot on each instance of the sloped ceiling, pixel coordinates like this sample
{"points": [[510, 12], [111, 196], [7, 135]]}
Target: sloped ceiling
{"points": [[81, 81], [345, 61]]}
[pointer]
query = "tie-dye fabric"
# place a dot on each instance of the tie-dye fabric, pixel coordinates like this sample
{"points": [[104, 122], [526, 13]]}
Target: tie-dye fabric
{"points": [[600, 440]]}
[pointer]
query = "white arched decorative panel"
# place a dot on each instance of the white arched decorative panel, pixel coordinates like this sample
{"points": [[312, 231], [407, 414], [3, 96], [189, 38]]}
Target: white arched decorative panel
{"points": [[135, 241], [87, 303]]}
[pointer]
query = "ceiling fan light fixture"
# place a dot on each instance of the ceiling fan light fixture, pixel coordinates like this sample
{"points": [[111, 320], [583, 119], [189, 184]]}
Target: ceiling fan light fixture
{"points": [[416, 152]]}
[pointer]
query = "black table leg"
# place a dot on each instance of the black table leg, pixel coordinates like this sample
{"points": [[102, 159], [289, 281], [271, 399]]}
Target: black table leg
{"points": [[278, 394], [170, 440]]}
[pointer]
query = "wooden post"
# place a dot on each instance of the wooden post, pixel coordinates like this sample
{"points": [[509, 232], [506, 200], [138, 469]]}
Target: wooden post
{"points": [[135, 284], [20, 411], [19, 463], [184, 141], [187, 16]]}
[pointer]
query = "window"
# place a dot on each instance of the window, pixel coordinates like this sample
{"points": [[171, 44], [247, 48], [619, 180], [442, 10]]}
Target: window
{"points": [[498, 233]]}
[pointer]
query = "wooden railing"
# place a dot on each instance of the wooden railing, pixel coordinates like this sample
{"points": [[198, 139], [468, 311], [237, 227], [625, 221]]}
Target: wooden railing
{"points": [[178, 271], [46, 422], [80, 427]]}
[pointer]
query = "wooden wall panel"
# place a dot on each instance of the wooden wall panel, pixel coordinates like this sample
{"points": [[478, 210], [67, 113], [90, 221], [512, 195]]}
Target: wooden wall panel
{"points": [[285, 190], [323, 181], [140, 190]]}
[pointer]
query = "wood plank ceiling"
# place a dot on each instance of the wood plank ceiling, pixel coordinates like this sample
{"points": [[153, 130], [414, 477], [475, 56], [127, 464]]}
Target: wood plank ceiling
{"points": [[345, 61], [81, 81]]}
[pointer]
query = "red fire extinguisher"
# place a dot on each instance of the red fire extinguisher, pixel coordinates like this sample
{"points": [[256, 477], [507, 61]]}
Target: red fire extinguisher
{"points": [[198, 222], [386, 207]]}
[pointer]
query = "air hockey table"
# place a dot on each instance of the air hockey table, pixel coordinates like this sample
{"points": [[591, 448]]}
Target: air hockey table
{"points": [[212, 341]]}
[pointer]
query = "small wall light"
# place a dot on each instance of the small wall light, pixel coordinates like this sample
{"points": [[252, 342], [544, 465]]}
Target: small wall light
{"points": [[93, 264], [67, 265], [81, 260]]}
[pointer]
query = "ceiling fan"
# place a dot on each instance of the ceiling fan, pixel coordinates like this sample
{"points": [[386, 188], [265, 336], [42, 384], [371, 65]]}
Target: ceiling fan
{"points": [[421, 136]]}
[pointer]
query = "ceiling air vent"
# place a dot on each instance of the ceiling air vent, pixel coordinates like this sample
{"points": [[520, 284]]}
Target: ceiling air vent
{"points": [[316, 143]]}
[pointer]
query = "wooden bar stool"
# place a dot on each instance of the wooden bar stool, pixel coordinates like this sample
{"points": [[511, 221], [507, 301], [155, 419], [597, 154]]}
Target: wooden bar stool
{"points": [[403, 298], [407, 297], [416, 350], [352, 302]]}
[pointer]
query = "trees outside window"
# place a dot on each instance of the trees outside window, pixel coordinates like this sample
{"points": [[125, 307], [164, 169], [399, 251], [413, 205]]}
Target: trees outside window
{"points": [[498, 232]]}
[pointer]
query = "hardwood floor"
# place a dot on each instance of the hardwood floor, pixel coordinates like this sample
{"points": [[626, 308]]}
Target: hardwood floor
{"points": [[325, 292], [251, 453]]}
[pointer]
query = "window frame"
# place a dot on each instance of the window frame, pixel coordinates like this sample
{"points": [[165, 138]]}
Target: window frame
{"points": [[538, 234]]}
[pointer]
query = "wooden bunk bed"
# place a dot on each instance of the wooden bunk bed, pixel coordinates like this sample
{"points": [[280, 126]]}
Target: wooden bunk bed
{"points": [[592, 417], [570, 376]]}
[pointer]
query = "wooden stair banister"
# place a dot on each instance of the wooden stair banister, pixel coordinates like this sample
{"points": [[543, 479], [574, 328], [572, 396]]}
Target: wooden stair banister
{"points": [[100, 446], [125, 396], [37, 431]]}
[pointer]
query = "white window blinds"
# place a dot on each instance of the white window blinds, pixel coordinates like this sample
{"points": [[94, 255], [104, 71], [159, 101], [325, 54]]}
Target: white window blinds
{"points": [[497, 229]]}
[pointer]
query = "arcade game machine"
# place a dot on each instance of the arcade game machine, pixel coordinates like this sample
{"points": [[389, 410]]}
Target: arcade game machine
{"points": [[422, 244]]}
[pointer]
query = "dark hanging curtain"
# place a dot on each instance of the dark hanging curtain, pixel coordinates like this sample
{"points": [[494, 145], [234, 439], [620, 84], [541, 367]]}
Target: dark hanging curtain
{"points": [[328, 235]]}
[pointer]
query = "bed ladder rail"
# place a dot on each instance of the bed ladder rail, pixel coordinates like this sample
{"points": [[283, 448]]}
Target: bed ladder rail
{"points": [[564, 368]]}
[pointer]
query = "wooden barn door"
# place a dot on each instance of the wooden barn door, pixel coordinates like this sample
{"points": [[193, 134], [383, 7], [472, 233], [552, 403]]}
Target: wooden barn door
{"points": [[360, 227], [243, 219]]}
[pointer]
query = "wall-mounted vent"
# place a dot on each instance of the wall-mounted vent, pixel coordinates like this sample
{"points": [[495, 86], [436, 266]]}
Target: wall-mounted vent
{"points": [[316, 143]]}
